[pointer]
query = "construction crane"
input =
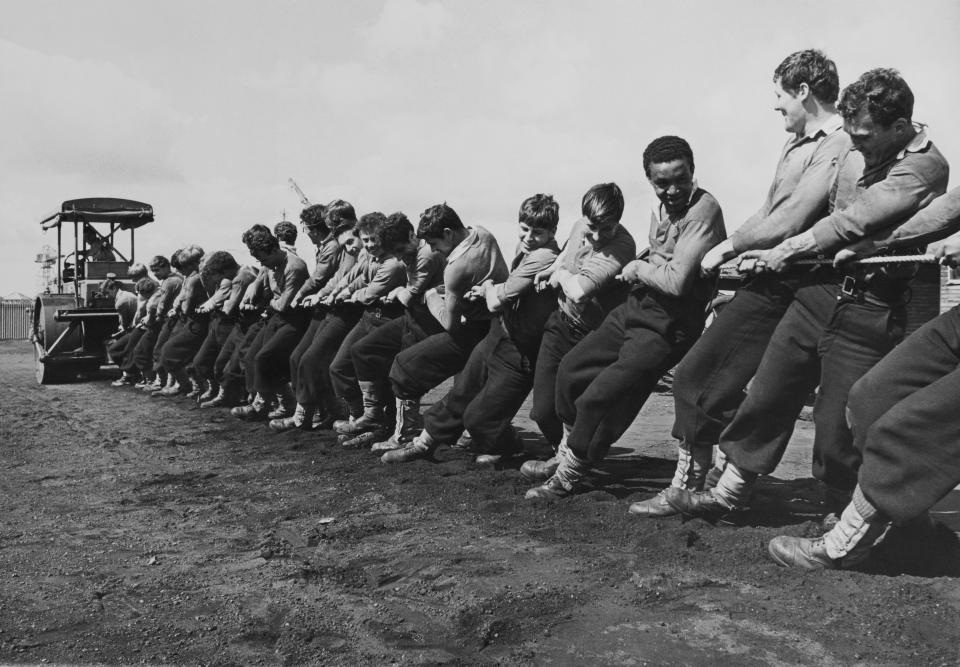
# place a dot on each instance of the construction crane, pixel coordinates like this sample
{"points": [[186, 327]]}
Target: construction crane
{"points": [[296, 188]]}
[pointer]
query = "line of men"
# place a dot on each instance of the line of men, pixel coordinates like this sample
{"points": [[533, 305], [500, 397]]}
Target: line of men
{"points": [[390, 312]]}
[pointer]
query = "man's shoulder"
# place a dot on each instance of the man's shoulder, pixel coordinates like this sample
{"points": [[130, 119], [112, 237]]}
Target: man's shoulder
{"points": [[295, 263], [704, 206]]}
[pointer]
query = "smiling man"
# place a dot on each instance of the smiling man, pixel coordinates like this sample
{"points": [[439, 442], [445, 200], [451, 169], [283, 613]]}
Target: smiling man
{"points": [[604, 381], [492, 386], [583, 277], [709, 382], [841, 321]]}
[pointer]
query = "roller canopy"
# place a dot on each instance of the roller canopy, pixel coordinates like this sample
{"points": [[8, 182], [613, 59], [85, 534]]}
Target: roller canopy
{"points": [[126, 213]]}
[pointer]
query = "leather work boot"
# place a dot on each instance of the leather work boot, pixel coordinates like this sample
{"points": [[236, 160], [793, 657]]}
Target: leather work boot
{"points": [[213, 389], [286, 404], [362, 441], [362, 424], [464, 442], [387, 445], [653, 508], [704, 504], [124, 380], [196, 388], [169, 391], [801, 552], [302, 418], [256, 411], [565, 481], [496, 458], [539, 471], [221, 400], [321, 422], [413, 450]]}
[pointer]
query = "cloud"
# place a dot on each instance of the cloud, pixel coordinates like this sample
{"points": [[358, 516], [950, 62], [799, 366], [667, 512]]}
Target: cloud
{"points": [[84, 117], [408, 25]]}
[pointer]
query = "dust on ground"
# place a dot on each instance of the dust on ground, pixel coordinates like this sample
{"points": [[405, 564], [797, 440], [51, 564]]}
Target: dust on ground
{"points": [[138, 530]]}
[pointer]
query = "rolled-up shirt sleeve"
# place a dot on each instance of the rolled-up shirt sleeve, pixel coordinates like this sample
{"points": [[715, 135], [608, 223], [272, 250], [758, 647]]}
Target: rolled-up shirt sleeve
{"points": [[598, 270], [294, 275], [675, 276], [391, 273], [807, 203], [327, 260], [901, 194], [427, 273], [932, 223], [521, 278]]}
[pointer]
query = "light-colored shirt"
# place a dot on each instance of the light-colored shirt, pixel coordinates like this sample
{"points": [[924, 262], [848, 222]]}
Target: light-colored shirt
{"points": [[238, 286], [476, 259], [169, 291], [800, 192], [597, 267], [378, 276], [865, 200], [678, 243], [127, 305], [935, 222], [286, 280], [329, 256], [523, 310]]}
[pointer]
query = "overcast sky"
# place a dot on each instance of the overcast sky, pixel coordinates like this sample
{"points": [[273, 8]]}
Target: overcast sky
{"points": [[204, 109]]}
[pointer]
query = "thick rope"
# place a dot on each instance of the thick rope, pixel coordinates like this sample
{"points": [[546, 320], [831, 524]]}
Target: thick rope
{"points": [[748, 265]]}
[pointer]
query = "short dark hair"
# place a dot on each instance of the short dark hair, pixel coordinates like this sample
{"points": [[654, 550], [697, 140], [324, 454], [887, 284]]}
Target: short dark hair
{"points": [[603, 203], [371, 223], [339, 216], [396, 231], [540, 211], [109, 283], [437, 218], [219, 263], [176, 259], [882, 93], [667, 149], [260, 240], [312, 217], [159, 262], [136, 271], [190, 255], [146, 287], [812, 67], [286, 232]]}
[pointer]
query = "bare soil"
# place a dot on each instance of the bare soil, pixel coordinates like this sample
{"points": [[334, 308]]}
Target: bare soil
{"points": [[138, 530]]}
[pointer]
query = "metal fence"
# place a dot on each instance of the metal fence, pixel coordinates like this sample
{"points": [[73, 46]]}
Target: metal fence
{"points": [[16, 317]]}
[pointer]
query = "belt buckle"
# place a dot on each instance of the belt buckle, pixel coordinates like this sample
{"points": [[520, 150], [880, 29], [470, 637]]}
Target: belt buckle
{"points": [[849, 286]]}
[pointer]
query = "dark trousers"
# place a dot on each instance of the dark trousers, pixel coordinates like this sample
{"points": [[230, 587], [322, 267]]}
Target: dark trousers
{"points": [[184, 341], [343, 377], [374, 354], [316, 318], [166, 330], [271, 360], [202, 366], [128, 363], [709, 383], [906, 421], [827, 339], [143, 352], [422, 366], [313, 375], [607, 377], [246, 332], [117, 347], [559, 337], [486, 394]]}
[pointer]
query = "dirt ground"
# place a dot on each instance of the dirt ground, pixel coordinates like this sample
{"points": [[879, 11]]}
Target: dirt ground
{"points": [[138, 530]]}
